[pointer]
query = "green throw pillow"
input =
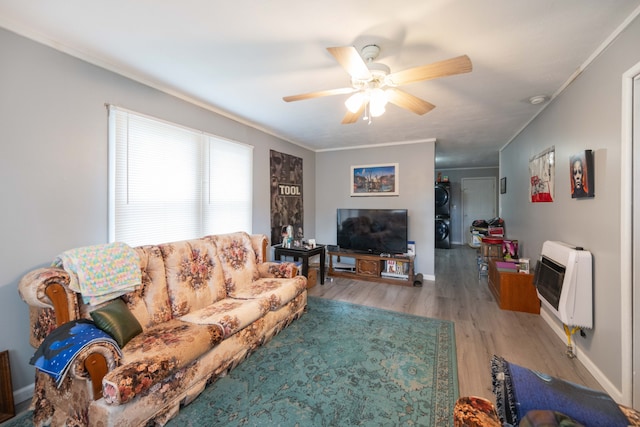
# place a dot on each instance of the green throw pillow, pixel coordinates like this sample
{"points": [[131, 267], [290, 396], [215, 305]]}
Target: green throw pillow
{"points": [[116, 320]]}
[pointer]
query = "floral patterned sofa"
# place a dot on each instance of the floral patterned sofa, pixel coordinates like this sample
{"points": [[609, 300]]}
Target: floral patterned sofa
{"points": [[204, 306]]}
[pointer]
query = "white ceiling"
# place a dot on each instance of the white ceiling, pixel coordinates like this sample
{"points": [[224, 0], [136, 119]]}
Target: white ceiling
{"points": [[241, 57]]}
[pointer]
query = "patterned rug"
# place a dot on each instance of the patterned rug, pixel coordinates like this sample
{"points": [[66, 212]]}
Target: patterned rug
{"points": [[339, 364]]}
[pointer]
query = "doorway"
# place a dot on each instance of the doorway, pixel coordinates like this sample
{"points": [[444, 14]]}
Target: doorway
{"points": [[479, 201]]}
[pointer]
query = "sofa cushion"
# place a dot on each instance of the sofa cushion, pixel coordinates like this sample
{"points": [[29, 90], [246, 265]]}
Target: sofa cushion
{"points": [[152, 356], [277, 292], [150, 302], [193, 273], [115, 319], [237, 257], [232, 314]]}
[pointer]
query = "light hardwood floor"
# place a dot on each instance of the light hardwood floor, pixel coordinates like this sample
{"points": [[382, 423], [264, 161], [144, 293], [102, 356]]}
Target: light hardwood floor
{"points": [[482, 329]]}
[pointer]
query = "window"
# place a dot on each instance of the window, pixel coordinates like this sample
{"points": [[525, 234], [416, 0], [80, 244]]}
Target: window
{"points": [[169, 183]]}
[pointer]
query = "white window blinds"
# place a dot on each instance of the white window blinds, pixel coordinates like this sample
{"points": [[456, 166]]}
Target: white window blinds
{"points": [[170, 183]]}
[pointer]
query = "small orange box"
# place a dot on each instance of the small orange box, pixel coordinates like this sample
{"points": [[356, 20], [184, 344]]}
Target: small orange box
{"points": [[312, 277]]}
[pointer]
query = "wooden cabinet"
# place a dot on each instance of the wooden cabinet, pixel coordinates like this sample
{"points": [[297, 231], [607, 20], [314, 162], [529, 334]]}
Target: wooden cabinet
{"points": [[513, 291], [7, 410], [372, 267], [368, 267]]}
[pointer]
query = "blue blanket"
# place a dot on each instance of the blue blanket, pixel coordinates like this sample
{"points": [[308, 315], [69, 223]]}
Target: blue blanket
{"points": [[519, 390], [60, 347]]}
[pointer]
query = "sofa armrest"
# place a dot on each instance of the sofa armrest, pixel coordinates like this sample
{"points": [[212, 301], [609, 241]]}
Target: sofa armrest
{"points": [[93, 363], [51, 302], [260, 245], [33, 285], [282, 270], [472, 411]]}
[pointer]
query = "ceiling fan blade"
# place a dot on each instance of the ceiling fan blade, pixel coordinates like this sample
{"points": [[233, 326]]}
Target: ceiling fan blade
{"points": [[408, 101], [353, 117], [319, 94], [349, 58], [448, 67]]}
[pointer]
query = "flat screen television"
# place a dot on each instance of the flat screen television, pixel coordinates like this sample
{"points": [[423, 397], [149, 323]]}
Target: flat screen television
{"points": [[373, 231]]}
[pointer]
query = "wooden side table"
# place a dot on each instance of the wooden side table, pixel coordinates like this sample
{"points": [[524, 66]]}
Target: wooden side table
{"points": [[7, 409], [513, 291]]}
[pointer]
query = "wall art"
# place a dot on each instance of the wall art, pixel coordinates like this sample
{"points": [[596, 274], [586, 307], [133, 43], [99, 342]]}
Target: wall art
{"points": [[582, 175], [542, 176], [286, 195], [375, 180]]}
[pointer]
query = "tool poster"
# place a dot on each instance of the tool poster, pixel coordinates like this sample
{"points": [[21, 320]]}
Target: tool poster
{"points": [[286, 195]]}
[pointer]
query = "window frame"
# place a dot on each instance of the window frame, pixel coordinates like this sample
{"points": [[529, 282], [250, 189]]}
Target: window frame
{"points": [[239, 219]]}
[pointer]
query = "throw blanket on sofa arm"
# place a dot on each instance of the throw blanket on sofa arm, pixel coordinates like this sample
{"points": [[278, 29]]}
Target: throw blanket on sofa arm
{"points": [[59, 349], [101, 272]]}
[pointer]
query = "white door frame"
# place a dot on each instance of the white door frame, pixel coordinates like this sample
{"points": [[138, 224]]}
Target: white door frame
{"points": [[465, 227], [627, 178]]}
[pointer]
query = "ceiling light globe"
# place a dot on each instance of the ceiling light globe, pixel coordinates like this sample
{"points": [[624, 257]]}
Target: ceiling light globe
{"points": [[378, 101], [379, 97], [354, 102], [376, 109]]}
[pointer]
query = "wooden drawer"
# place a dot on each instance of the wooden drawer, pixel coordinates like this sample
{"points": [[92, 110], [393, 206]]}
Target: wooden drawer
{"points": [[368, 267]]}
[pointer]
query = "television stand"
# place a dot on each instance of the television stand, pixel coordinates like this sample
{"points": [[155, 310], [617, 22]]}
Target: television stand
{"points": [[391, 269]]}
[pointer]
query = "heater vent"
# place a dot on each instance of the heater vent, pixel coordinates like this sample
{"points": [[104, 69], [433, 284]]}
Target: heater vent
{"points": [[563, 279]]}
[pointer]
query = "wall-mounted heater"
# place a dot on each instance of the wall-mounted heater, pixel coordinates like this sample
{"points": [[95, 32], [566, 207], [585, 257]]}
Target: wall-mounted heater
{"points": [[563, 279]]}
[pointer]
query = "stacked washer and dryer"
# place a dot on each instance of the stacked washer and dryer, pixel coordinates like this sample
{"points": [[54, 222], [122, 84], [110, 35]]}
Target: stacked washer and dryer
{"points": [[443, 221]]}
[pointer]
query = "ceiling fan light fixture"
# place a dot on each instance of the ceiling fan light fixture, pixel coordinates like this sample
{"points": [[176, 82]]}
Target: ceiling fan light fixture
{"points": [[378, 101], [372, 85], [538, 99], [379, 96], [354, 102], [376, 110]]}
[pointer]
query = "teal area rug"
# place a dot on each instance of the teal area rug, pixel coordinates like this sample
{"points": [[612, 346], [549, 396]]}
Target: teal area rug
{"points": [[339, 364]]}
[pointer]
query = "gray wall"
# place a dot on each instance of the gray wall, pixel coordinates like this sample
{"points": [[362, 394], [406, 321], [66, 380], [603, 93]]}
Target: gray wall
{"points": [[587, 115], [53, 167], [455, 178], [416, 193]]}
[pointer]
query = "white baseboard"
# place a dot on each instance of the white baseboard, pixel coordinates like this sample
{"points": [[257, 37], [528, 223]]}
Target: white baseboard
{"points": [[23, 394], [430, 277], [593, 369]]}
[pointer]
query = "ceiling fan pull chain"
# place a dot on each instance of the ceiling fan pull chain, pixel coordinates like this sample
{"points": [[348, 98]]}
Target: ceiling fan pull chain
{"points": [[367, 115]]}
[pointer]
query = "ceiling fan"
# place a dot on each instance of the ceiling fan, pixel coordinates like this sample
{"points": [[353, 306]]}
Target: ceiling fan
{"points": [[373, 85]]}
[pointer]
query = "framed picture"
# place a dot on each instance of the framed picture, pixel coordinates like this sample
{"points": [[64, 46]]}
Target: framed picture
{"points": [[7, 410], [542, 176], [375, 180], [503, 185], [581, 174]]}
